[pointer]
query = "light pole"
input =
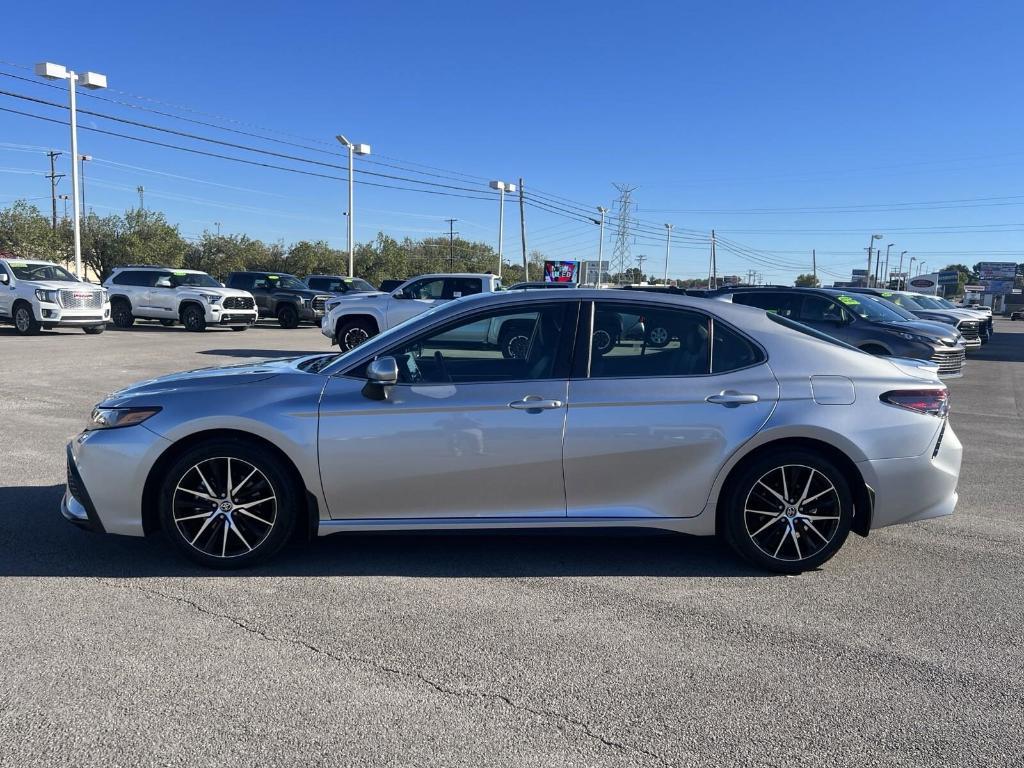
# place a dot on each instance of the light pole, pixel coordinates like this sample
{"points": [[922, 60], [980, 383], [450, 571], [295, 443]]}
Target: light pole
{"points": [[600, 246], [502, 187], [920, 266], [871, 244], [81, 179], [353, 149], [92, 80], [668, 248], [885, 272], [910, 270], [65, 198], [900, 273]]}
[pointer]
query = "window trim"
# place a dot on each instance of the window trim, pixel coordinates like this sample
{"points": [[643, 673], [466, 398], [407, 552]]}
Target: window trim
{"points": [[581, 365], [562, 368]]}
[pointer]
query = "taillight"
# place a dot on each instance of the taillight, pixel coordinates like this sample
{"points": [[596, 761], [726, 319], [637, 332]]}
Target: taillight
{"points": [[934, 402]]}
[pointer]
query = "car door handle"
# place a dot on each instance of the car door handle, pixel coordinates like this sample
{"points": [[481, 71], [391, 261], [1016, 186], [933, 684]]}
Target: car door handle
{"points": [[731, 399], [535, 404]]}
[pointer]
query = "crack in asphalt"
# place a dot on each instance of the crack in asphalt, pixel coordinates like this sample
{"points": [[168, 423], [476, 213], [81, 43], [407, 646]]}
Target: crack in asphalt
{"points": [[581, 725]]}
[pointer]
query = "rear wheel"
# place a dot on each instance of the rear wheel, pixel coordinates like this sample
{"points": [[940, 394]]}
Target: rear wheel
{"points": [[658, 336], [239, 327], [355, 332], [94, 329], [228, 504], [121, 314], [788, 512], [25, 322], [288, 316], [515, 342], [193, 318]]}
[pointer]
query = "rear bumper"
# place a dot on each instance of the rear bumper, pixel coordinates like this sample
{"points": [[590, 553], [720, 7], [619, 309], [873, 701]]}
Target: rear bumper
{"points": [[918, 487]]}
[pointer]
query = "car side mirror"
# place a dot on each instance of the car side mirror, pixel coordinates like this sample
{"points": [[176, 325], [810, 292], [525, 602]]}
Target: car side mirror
{"points": [[380, 374], [404, 294], [4, 278]]}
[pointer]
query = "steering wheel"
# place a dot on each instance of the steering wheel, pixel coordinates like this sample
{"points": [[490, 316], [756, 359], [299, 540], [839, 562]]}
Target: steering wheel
{"points": [[442, 368]]}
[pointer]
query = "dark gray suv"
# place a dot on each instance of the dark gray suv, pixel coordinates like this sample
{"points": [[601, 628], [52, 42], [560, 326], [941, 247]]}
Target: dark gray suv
{"points": [[282, 296], [861, 321]]}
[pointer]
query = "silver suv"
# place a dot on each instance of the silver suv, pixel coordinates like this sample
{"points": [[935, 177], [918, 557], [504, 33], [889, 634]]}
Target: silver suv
{"points": [[38, 294], [174, 296]]}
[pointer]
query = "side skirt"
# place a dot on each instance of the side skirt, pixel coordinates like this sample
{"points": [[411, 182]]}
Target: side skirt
{"points": [[701, 525]]}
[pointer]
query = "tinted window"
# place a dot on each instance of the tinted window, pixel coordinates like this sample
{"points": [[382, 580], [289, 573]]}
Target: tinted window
{"points": [[428, 288], [145, 278], [194, 279], [784, 304], [242, 282], [457, 287], [868, 310], [501, 345], [818, 309], [808, 331], [28, 271], [730, 351], [643, 340]]}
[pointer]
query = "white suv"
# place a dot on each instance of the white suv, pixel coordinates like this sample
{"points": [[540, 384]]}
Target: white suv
{"points": [[353, 318], [171, 296], [38, 294]]}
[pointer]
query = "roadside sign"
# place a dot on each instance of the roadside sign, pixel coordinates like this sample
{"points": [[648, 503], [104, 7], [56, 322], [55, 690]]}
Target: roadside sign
{"points": [[949, 277], [997, 270], [1002, 287], [561, 271]]}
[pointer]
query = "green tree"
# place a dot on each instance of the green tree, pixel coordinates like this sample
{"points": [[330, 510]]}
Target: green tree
{"points": [[26, 232], [807, 280]]}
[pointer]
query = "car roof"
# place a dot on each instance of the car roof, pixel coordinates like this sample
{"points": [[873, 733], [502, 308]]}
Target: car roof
{"points": [[156, 268], [9, 257]]}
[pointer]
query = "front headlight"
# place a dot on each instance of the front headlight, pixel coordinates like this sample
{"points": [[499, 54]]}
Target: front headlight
{"points": [[112, 418], [913, 337], [106, 295], [49, 297], [211, 298]]}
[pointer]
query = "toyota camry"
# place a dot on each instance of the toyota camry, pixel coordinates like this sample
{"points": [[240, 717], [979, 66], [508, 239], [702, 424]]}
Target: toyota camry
{"points": [[522, 410]]}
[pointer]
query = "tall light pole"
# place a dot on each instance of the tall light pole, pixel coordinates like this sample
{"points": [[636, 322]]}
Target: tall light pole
{"points": [[871, 245], [885, 272], [82, 160], [353, 149], [668, 248], [600, 246], [910, 270], [502, 187], [920, 266], [900, 273], [92, 80]]}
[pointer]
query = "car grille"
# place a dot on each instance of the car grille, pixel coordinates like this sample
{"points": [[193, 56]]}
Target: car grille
{"points": [[70, 299], [950, 361], [239, 302], [969, 329], [319, 302]]}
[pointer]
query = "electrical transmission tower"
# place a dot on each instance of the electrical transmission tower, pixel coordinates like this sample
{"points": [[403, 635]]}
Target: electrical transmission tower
{"points": [[621, 260]]}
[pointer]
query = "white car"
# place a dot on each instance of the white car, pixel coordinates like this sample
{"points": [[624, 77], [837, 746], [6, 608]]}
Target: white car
{"points": [[351, 320], [188, 296], [39, 294]]}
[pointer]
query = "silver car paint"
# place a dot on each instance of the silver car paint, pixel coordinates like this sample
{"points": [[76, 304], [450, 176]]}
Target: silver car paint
{"points": [[458, 457]]}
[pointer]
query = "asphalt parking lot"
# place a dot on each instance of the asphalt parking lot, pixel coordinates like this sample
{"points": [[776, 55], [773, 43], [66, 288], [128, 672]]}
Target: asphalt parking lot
{"points": [[497, 650]]}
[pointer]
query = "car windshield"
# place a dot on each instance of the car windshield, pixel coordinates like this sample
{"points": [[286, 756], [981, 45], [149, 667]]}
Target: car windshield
{"points": [[288, 282], [28, 271], [945, 303], [346, 285], [195, 279], [888, 303], [862, 306], [902, 300], [928, 302]]}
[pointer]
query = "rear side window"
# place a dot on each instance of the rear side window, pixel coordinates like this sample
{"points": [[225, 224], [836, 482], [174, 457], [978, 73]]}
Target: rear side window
{"points": [[636, 340], [242, 282], [778, 303], [730, 351], [457, 287], [320, 284], [135, 277]]}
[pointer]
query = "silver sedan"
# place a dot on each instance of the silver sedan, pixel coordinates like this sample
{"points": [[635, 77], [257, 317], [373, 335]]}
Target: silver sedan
{"points": [[738, 423]]}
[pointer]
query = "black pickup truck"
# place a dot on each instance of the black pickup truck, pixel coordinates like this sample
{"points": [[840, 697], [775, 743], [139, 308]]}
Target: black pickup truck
{"points": [[282, 296]]}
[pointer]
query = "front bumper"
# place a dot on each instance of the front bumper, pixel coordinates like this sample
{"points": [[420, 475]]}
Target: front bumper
{"points": [[51, 315], [234, 317], [107, 471], [916, 487]]}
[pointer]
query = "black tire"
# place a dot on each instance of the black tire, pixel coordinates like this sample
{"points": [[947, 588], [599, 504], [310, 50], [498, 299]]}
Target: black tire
{"points": [[25, 323], [193, 318], [168, 323], [250, 530], [658, 337], [239, 327], [288, 316], [752, 502], [121, 313], [94, 329], [604, 339], [514, 342], [353, 333]]}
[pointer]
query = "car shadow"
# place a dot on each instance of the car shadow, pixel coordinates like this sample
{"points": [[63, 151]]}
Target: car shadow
{"points": [[1003, 347], [36, 541]]}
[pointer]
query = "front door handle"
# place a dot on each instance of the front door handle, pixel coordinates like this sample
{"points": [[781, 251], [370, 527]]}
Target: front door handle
{"points": [[731, 399], [534, 404]]}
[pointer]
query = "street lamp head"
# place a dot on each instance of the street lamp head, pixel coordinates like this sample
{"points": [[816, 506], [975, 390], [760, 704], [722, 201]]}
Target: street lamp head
{"points": [[51, 71], [342, 140], [669, 226], [602, 209], [877, 237], [93, 80], [85, 157], [498, 185], [361, 149]]}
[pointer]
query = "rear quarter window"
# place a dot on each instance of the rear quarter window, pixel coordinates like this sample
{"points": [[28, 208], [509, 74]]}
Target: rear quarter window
{"points": [[730, 351]]}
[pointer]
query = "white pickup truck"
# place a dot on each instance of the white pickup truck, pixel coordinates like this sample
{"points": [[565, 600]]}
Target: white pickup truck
{"points": [[351, 320], [38, 294]]}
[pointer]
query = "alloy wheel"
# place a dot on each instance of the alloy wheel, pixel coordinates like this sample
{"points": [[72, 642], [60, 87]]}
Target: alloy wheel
{"points": [[518, 346], [22, 320], [354, 337], [792, 512], [658, 336], [224, 507]]}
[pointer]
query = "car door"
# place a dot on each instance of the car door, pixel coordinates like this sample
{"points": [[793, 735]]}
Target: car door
{"points": [[414, 299], [154, 291], [648, 428], [6, 291], [163, 296], [262, 292], [466, 432]]}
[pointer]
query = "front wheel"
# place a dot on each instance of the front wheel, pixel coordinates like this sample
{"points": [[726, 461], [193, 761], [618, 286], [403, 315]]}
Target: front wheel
{"points": [[288, 317], [25, 322], [353, 333], [228, 504], [788, 512], [94, 329], [239, 327], [193, 318]]}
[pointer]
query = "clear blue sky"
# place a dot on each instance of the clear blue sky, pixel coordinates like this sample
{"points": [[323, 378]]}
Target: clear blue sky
{"points": [[710, 109]]}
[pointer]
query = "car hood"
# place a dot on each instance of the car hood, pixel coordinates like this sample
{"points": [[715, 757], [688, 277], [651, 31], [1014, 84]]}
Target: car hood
{"points": [[62, 285], [305, 293], [222, 292], [204, 378], [923, 328]]}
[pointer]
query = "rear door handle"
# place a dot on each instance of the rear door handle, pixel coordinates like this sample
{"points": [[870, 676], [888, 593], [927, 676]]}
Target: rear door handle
{"points": [[534, 404], [731, 399]]}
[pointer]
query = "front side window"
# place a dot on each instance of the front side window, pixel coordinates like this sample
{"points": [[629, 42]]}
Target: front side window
{"points": [[428, 288], [501, 345], [27, 271], [193, 279], [818, 309], [642, 341], [784, 304], [241, 282]]}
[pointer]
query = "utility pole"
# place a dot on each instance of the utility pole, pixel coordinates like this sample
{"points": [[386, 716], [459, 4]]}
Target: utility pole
{"points": [[640, 259], [668, 249], [142, 201], [871, 245], [600, 245], [54, 177], [899, 275], [217, 225], [713, 271], [814, 266], [451, 244], [522, 230]]}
